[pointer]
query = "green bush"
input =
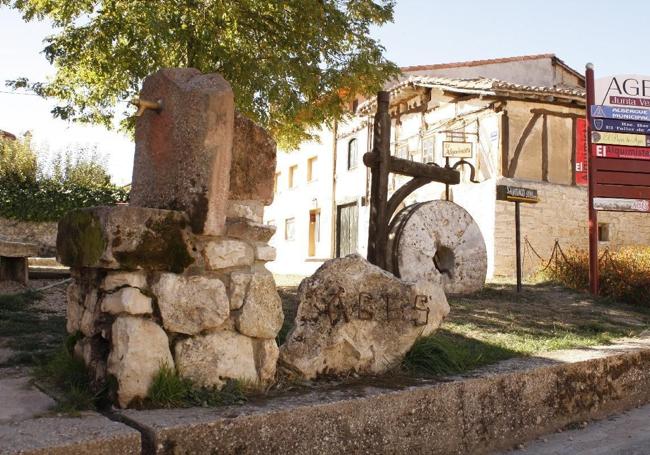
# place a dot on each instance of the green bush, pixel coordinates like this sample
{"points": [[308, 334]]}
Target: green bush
{"points": [[624, 274], [49, 200], [75, 180]]}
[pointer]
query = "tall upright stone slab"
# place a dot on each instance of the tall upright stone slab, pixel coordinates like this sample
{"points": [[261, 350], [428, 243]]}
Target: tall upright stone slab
{"points": [[183, 150]]}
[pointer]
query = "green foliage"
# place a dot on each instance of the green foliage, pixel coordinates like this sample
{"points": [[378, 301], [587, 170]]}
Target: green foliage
{"points": [[292, 64], [70, 377], [169, 390], [84, 168], [18, 162], [76, 180], [624, 274], [446, 352], [49, 200]]}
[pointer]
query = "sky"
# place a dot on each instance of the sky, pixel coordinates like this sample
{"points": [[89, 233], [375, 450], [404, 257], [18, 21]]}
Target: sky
{"points": [[611, 34]]}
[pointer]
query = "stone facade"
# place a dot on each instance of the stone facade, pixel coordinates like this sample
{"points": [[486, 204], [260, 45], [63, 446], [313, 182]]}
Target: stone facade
{"points": [[560, 215], [178, 278]]}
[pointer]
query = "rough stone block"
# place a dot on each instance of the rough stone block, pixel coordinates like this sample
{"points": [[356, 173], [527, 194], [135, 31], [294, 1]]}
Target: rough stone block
{"points": [[253, 162], [264, 252], [266, 359], [251, 210], [127, 300], [124, 237], [139, 349], [191, 304], [261, 315], [224, 253], [355, 317], [239, 283], [114, 280], [241, 228], [184, 150], [211, 359], [74, 308], [89, 324]]}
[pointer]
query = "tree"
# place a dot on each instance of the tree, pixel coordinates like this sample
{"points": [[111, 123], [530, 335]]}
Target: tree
{"points": [[293, 64]]}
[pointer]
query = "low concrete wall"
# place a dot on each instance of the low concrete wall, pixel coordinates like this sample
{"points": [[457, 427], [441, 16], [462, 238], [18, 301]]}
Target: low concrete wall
{"points": [[41, 233], [467, 416]]}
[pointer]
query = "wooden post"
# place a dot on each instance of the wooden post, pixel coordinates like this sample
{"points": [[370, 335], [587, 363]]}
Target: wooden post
{"points": [[593, 215], [518, 243], [378, 228]]}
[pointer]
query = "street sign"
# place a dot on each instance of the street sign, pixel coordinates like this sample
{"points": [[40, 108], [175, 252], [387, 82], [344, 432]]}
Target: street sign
{"points": [[623, 90], [456, 149], [516, 194], [621, 205], [620, 126], [620, 113], [632, 140], [617, 151]]}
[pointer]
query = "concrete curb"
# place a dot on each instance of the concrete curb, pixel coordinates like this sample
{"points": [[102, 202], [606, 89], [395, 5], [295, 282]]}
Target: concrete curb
{"points": [[91, 433], [467, 416]]}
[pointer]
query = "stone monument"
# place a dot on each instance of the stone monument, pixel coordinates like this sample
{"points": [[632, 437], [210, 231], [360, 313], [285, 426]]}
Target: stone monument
{"points": [[355, 317], [177, 277]]}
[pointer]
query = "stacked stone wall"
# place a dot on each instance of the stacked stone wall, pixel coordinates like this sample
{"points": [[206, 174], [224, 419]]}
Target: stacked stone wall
{"points": [[177, 279], [560, 215]]}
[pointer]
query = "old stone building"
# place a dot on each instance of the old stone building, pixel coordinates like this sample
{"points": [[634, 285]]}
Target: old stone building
{"points": [[522, 117]]}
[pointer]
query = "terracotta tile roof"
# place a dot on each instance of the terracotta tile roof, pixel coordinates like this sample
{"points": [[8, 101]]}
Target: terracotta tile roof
{"points": [[482, 86], [439, 66], [493, 61], [7, 135]]}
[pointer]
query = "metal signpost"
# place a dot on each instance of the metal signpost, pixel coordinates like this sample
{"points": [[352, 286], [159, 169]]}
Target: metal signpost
{"points": [[517, 195], [618, 138]]}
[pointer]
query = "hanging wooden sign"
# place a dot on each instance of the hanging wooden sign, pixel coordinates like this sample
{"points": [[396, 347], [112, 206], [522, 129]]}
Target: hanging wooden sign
{"points": [[456, 149]]}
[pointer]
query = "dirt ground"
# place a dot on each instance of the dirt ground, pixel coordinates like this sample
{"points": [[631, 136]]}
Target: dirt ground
{"points": [[543, 317]]}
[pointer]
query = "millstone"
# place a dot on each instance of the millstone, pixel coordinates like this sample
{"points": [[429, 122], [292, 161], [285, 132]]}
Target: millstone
{"points": [[438, 240]]}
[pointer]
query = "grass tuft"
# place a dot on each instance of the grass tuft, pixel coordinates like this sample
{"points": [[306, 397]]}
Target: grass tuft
{"points": [[70, 377], [170, 390], [446, 352]]}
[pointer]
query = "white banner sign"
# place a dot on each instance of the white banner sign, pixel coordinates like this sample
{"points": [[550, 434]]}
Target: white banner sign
{"points": [[623, 90]]}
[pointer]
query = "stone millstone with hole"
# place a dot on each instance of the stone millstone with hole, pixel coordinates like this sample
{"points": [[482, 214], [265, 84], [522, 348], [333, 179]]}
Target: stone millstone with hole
{"points": [[354, 317], [438, 240]]}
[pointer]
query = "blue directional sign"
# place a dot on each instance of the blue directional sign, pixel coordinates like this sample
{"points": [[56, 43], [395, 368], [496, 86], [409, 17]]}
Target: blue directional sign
{"points": [[621, 113], [620, 126]]}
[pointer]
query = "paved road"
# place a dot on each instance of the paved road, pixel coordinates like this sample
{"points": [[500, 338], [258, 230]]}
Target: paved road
{"points": [[623, 434]]}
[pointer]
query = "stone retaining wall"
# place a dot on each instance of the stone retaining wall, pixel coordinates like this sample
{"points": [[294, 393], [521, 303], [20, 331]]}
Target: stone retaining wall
{"points": [[470, 416]]}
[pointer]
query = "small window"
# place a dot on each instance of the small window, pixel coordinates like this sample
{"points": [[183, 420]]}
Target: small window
{"points": [[312, 169], [353, 154], [276, 182], [603, 232], [293, 170], [289, 229]]}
